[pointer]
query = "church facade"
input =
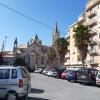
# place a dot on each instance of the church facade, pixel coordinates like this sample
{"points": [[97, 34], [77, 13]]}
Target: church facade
{"points": [[34, 52]]}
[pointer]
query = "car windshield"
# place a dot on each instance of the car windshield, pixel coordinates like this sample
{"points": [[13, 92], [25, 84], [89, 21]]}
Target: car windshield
{"points": [[83, 71], [71, 71], [86, 71]]}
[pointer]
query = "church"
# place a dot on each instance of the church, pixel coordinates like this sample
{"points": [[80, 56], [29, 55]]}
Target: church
{"points": [[34, 52]]}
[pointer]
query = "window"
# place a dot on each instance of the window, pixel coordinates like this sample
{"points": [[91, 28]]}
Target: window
{"points": [[14, 73], [4, 73]]}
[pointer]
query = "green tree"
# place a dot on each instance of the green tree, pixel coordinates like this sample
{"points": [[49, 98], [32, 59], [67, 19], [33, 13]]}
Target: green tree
{"points": [[51, 55], [62, 47], [82, 38], [19, 62]]}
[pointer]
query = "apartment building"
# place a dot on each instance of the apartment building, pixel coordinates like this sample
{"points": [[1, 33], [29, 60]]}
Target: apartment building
{"points": [[67, 56], [72, 56], [91, 18], [92, 14]]}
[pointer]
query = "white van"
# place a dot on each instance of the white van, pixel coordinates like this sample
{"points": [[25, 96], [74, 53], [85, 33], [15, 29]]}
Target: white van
{"points": [[14, 82]]}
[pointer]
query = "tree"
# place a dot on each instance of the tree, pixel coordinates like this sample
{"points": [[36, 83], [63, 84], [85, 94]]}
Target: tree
{"points": [[51, 55], [19, 62], [82, 40], [1, 58], [62, 47]]}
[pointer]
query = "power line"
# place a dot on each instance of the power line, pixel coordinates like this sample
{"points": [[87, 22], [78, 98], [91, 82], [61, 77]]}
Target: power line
{"points": [[24, 15]]}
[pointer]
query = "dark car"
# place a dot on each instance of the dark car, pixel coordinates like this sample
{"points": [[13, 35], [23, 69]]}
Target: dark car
{"points": [[87, 75], [71, 75], [30, 69]]}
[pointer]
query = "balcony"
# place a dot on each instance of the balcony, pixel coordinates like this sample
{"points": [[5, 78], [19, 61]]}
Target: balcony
{"points": [[91, 23], [93, 43], [81, 18], [67, 63], [91, 4], [67, 56], [92, 14], [93, 52], [93, 33]]}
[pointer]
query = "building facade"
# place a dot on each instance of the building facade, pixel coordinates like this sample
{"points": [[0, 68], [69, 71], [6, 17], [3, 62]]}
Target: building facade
{"points": [[91, 18], [34, 53], [93, 21]]}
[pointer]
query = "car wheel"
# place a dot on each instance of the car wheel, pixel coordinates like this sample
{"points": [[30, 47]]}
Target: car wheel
{"points": [[11, 96]]}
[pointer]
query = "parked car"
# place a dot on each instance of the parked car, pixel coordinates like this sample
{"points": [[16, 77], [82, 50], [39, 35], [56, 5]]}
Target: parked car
{"points": [[14, 82], [30, 69], [45, 71], [37, 70], [71, 75], [52, 73], [60, 71], [98, 79], [64, 74], [87, 75]]}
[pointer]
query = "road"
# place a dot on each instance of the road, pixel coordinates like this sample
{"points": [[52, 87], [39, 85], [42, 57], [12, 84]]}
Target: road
{"points": [[48, 88]]}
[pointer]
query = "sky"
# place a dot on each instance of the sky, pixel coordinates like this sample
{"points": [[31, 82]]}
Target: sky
{"points": [[12, 25]]}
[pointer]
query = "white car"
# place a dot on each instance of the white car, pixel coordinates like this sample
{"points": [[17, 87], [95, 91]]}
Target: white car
{"points": [[49, 73], [52, 73], [14, 82]]}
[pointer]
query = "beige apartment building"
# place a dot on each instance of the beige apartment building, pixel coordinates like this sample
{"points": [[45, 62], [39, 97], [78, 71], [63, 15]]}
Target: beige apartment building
{"points": [[90, 17], [93, 21]]}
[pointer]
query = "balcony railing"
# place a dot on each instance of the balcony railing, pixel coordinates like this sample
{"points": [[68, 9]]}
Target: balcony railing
{"points": [[91, 4], [92, 14], [91, 23], [93, 33], [81, 18]]}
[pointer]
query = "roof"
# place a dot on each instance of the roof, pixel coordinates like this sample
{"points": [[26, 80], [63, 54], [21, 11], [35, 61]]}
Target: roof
{"points": [[7, 66], [56, 29], [8, 54], [36, 37], [10, 67], [22, 46]]}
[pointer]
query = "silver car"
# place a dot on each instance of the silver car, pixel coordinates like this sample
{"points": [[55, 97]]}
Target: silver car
{"points": [[14, 82]]}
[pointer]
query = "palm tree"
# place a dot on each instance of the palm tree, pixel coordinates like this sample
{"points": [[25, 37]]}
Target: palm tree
{"points": [[51, 54], [62, 47], [82, 40]]}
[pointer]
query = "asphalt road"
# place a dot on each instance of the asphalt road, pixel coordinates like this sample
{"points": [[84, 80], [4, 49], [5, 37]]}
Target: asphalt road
{"points": [[48, 88]]}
